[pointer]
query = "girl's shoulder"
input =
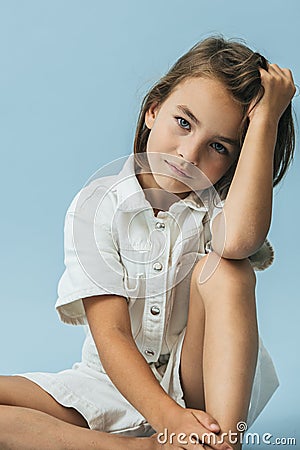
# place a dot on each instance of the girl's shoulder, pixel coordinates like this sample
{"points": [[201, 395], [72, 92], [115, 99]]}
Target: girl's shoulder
{"points": [[109, 188], [98, 191]]}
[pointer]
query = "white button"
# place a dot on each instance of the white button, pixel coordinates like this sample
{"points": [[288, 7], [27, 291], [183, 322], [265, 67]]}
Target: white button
{"points": [[155, 310], [160, 226], [149, 352], [157, 266]]}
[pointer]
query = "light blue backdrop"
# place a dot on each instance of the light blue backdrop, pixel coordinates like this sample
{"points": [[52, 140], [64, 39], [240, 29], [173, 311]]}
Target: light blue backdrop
{"points": [[73, 74]]}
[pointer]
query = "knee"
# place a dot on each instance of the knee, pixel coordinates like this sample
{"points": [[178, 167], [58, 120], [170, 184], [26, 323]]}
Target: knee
{"points": [[212, 269]]}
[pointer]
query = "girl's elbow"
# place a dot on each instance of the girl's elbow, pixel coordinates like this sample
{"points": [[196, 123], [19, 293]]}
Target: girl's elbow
{"points": [[229, 253], [236, 249]]}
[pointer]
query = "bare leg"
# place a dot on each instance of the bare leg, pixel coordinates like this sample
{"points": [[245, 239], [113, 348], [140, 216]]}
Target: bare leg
{"points": [[19, 391], [225, 356], [191, 364], [30, 419], [28, 429]]}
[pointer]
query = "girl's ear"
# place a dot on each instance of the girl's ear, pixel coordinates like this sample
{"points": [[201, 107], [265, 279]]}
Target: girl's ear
{"points": [[151, 114]]}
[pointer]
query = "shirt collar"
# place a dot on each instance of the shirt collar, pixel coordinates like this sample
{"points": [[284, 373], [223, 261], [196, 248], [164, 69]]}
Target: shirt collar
{"points": [[132, 198]]}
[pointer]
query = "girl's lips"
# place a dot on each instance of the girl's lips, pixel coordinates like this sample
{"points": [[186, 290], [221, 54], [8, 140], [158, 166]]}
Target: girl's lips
{"points": [[177, 170]]}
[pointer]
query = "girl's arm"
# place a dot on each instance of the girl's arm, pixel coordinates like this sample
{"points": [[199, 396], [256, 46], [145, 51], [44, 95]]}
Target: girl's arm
{"points": [[110, 326], [109, 321], [248, 205]]}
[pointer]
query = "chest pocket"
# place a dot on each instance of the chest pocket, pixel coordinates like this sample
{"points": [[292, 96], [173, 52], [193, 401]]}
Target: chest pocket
{"points": [[135, 285], [134, 262]]}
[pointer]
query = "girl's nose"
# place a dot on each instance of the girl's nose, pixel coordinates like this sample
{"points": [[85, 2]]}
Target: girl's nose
{"points": [[190, 155]]}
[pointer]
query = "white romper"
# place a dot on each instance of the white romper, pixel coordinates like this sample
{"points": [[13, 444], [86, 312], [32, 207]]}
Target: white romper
{"points": [[114, 244]]}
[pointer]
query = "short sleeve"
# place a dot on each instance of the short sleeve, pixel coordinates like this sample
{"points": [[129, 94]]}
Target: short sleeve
{"points": [[260, 260], [91, 258], [211, 214]]}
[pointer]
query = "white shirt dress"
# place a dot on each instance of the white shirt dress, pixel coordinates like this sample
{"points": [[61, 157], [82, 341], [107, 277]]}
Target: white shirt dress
{"points": [[115, 245]]}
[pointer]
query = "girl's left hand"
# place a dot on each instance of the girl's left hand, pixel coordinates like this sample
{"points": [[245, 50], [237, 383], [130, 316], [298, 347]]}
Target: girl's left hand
{"points": [[279, 90]]}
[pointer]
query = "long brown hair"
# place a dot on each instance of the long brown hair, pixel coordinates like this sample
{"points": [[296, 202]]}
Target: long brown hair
{"points": [[236, 66]]}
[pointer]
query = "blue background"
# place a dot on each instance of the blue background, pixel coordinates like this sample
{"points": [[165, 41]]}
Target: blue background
{"points": [[72, 77]]}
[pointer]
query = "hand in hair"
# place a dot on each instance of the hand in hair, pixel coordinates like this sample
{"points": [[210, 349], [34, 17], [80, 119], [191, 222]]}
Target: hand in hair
{"points": [[279, 89]]}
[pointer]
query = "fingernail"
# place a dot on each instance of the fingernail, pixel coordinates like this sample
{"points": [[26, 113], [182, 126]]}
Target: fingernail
{"points": [[214, 427]]}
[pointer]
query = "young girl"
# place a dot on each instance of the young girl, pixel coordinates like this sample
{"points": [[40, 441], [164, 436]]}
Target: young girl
{"points": [[160, 263]]}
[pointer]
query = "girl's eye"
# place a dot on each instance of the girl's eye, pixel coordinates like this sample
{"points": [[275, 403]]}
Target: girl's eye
{"points": [[183, 123], [219, 148]]}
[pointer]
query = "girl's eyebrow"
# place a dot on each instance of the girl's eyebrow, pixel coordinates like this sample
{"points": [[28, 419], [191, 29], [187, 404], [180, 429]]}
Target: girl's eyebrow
{"points": [[188, 112]]}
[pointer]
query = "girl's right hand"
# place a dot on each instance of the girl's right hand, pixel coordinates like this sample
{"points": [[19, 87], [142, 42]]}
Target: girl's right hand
{"points": [[279, 89], [182, 424]]}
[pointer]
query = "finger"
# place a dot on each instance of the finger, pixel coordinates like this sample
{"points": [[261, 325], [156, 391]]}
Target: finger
{"points": [[265, 73], [276, 70], [276, 73], [288, 73], [282, 72], [275, 67], [194, 445], [188, 444], [215, 442], [209, 433], [211, 441], [206, 420], [209, 437]]}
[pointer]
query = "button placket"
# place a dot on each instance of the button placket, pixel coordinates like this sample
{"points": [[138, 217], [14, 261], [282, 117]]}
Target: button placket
{"points": [[154, 312]]}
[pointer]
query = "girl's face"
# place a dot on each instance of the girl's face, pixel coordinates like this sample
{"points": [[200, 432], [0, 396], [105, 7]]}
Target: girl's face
{"points": [[194, 137]]}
